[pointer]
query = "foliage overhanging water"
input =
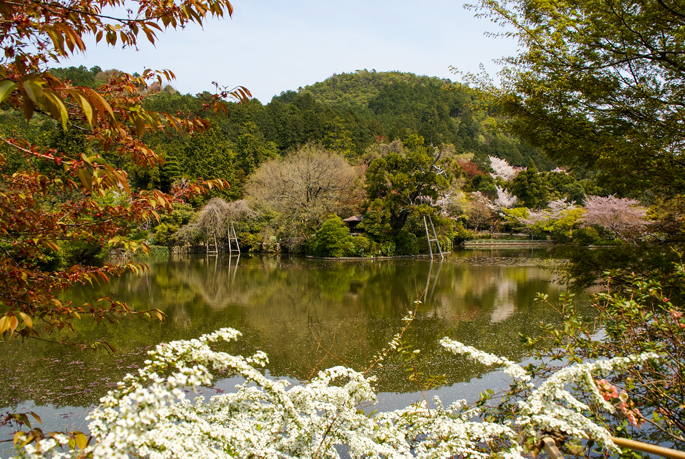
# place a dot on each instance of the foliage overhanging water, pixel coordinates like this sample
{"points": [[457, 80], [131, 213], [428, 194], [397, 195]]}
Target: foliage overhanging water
{"points": [[306, 314]]}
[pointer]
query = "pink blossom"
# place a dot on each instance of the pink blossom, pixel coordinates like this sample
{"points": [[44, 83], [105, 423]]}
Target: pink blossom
{"points": [[621, 215], [607, 389], [633, 414], [505, 200]]}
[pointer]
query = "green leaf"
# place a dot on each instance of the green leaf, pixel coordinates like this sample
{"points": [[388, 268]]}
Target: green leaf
{"points": [[6, 88], [33, 87]]}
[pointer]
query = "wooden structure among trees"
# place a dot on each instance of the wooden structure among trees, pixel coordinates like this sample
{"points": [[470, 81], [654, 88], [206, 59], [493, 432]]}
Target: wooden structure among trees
{"points": [[216, 217], [352, 223], [434, 239], [232, 240]]}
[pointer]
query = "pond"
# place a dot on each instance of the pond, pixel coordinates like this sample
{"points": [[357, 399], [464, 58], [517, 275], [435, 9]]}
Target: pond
{"points": [[305, 314]]}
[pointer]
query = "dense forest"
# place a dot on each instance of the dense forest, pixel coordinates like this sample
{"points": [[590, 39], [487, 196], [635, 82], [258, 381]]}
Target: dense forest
{"points": [[346, 113], [351, 123]]}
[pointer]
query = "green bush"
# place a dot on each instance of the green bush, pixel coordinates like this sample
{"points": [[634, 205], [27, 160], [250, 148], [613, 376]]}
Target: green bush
{"points": [[445, 243], [249, 242], [358, 247], [162, 235], [586, 236], [387, 249], [423, 244], [81, 253], [461, 234], [158, 251], [374, 249], [406, 243], [376, 222], [563, 236], [332, 239], [170, 223]]}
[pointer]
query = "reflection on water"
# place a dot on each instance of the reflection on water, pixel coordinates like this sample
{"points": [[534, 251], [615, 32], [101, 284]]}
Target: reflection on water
{"points": [[301, 312]]}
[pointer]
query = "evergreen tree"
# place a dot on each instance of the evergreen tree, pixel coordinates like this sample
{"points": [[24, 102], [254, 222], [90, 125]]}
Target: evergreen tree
{"points": [[530, 187], [252, 150], [210, 156]]}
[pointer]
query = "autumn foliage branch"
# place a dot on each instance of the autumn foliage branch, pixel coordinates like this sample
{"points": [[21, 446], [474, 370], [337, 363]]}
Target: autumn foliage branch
{"points": [[58, 197]]}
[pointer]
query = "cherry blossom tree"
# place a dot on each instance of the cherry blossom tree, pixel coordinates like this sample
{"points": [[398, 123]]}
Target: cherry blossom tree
{"points": [[505, 200], [557, 207], [502, 169], [623, 216]]}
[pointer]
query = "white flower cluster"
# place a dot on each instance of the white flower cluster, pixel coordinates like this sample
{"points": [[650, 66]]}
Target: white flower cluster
{"points": [[516, 371], [550, 406], [48, 448], [502, 169], [148, 415], [505, 200]]}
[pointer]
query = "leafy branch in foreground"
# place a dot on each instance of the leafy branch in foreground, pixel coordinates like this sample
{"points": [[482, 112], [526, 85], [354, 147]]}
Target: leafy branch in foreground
{"points": [[149, 415], [598, 84], [640, 315], [73, 193]]}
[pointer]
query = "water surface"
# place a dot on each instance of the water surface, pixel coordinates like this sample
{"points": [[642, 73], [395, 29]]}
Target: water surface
{"points": [[306, 314]]}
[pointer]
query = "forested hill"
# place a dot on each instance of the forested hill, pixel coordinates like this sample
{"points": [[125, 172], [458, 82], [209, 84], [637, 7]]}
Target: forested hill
{"points": [[359, 87], [403, 103], [347, 113]]}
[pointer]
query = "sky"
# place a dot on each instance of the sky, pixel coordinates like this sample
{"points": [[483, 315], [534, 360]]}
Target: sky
{"points": [[270, 46]]}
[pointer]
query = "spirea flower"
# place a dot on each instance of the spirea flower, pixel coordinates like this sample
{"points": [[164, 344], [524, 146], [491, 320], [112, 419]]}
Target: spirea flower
{"points": [[149, 416]]}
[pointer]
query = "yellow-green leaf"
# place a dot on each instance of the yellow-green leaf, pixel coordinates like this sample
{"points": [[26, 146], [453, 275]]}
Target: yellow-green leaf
{"points": [[33, 87], [27, 320], [57, 108], [85, 178], [81, 440], [6, 88], [36, 416], [85, 105], [28, 108]]}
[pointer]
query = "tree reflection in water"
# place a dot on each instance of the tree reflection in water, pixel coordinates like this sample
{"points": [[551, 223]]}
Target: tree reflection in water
{"points": [[296, 310]]}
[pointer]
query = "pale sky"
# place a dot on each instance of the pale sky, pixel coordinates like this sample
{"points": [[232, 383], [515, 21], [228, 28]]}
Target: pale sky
{"points": [[271, 46]]}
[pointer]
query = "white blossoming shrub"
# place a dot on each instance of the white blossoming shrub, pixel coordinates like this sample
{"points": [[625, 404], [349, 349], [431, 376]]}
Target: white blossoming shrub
{"points": [[149, 416]]}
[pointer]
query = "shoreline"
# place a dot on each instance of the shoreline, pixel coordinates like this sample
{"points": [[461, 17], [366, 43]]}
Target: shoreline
{"points": [[421, 255]]}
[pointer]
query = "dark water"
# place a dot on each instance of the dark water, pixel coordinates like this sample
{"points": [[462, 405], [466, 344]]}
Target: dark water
{"points": [[306, 314]]}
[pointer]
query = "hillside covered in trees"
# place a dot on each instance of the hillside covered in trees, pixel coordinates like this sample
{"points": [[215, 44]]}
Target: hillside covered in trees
{"points": [[346, 113], [379, 132]]}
